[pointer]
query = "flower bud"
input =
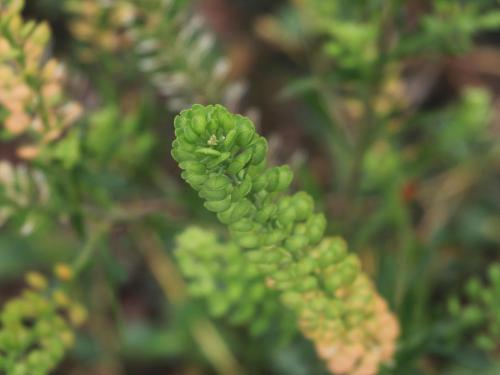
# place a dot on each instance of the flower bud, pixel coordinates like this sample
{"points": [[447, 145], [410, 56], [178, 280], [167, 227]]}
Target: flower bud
{"points": [[219, 160], [248, 240], [218, 206], [198, 124], [206, 151], [242, 190], [296, 243], [181, 154], [216, 183], [194, 179], [225, 118], [265, 213], [274, 237], [259, 151], [303, 205], [246, 131], [316, 226], [230, 139], [189, 134], [240, 161], [192, 166]]}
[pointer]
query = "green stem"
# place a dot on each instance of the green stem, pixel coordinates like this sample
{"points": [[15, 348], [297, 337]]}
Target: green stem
{"points": [[90, 247], [370, 129]]}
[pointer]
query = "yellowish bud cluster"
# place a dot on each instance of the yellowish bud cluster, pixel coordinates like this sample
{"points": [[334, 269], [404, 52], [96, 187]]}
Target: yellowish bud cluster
{"points": [[359, 341], [36, 280], [36, 328], [32, 103], [102, 25]]}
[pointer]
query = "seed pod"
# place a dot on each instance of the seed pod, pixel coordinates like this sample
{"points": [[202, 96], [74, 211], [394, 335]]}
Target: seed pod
{"points": [[190, 135], [207, 151], [181, 155], [236, 212], [181, 121], [264, 214], [242, 189], [306, 266], [260, 183], [212, 126], [286, 216], [198, 124], [248, 240], [193, 166], [259, 151], [296, 243], [217, 182], [194, 179], [315, 228], [218, 206], [272, 176], [240, 161], [285, 178], [246, 131], [219, 160], [230, 139], [243, 225], [274, 237], [303, 205], [214, 195], [225, 119]]}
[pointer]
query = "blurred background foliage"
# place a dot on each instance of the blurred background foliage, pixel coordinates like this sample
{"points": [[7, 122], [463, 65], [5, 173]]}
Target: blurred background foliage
{"points": [[386, 110]]}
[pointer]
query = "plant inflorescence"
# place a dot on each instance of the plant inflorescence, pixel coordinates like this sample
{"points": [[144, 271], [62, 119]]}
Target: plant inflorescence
{"points": [[220, 275], [225, 160], [36, 328], [32, 102], [482, 311]]}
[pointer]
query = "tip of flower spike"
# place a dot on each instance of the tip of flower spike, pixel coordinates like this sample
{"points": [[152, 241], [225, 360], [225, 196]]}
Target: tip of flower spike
{"points": [[214, 138]]}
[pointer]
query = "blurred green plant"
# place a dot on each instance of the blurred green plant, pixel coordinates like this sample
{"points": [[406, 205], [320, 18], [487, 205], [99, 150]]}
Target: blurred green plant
{"points": [[403, 174], [190, 70], [36, 327], [232, 288], [482, 311], [405, 166]]}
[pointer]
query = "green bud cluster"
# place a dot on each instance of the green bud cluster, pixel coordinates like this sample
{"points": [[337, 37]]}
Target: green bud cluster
{"points": [[225, 160], [36, 329], [220, 276], [482, 312]]}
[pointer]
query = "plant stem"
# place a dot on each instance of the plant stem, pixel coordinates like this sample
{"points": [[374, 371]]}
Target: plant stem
{"points": [[90, 247], [370, 129]]}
